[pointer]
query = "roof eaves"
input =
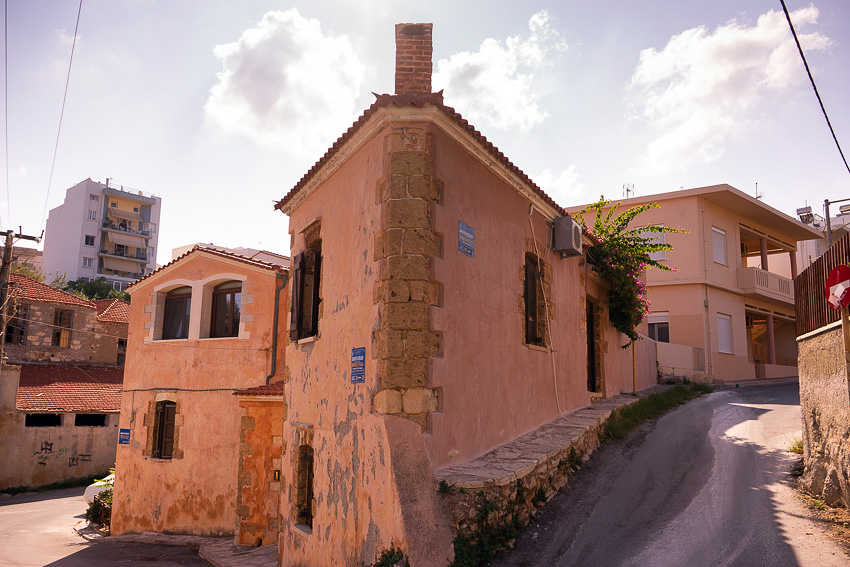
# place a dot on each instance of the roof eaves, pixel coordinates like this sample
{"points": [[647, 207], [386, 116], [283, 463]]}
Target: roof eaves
{"points": [[416, 100]]}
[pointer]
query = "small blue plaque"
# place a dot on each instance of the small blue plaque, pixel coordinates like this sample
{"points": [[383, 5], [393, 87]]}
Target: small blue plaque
{"points": [[358, 365], [123, 436], [466, 239]]}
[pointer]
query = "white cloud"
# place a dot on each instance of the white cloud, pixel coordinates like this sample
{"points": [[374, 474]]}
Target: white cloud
{"points": [[702, 86], [565, 188], [286, 84], [495, 85]]}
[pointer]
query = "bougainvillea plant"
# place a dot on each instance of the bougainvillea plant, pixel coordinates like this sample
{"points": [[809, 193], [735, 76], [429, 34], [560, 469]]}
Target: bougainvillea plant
{"points": [[619, 255]]}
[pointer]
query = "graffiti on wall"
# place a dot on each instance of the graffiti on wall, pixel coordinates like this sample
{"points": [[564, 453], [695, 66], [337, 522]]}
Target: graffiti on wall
{"points": [[47, 454]]}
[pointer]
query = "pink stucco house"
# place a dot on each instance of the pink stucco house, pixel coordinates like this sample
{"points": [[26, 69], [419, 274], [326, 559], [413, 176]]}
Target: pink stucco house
{"points": [[728, 313], [432, 321], [197, 454]]}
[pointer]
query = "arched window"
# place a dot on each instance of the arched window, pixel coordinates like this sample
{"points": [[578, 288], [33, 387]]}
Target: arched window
{"points": [[175, 321], [225, 309]]}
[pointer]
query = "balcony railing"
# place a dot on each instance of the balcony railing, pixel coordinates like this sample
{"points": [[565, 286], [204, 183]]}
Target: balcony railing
{"points": [[140, 256], [758, 283], [112, 225]]}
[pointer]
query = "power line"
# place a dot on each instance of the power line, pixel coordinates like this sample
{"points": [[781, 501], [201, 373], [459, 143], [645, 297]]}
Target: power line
{"points": [[61, 114], [160, 343], [6, 103], [812, 79]]}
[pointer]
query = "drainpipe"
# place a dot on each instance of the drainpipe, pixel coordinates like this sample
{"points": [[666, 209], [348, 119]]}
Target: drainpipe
{"points": [[283, 278]]}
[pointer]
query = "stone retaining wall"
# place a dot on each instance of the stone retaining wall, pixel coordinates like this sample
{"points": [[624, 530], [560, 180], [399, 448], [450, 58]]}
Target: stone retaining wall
{"points": [[825, 408]]}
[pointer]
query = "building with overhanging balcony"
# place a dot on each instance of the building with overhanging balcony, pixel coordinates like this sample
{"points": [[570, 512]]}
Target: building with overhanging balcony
{"points": [[102, 231], [728, 312]]}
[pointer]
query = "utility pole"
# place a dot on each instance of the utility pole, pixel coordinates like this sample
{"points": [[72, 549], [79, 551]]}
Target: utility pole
{"points": [[5, 270]]}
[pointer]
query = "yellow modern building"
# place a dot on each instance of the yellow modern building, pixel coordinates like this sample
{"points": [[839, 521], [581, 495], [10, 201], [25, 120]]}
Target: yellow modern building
{"points": [[727, 313]]}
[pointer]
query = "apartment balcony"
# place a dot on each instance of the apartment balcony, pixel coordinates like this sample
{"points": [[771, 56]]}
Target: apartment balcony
{"points": [[139, 256], [761, 284], [109, 224]]}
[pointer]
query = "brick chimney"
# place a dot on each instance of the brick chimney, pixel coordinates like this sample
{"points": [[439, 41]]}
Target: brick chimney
{"points": [[413, 65]]}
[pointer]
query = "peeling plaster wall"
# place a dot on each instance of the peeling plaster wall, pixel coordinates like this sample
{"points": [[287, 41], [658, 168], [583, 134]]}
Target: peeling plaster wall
{"points": [[35, 456], [196, 491], [825, 408]]}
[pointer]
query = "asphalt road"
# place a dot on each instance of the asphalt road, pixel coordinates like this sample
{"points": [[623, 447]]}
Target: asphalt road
{"points": [[38, 529], [705, 485]]}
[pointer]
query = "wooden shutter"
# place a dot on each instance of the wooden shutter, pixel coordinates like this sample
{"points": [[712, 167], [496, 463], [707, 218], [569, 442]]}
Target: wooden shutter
{"points": [[530, 301], [297, 290], [317, 278], [164, 430]]}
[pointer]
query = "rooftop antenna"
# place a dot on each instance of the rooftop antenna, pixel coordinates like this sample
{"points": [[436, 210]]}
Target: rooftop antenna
{"points": [[757, 192], [628, 189]]}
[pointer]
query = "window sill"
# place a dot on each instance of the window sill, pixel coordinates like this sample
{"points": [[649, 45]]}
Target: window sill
{"points": [[302, 529], [307, 341], [169, 340], [537, 348]]}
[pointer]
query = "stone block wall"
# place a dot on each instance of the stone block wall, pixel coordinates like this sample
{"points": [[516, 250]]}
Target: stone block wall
{"points": [[260, 479], [406, 291], [499, 504], [91, 341], [825, 408]]}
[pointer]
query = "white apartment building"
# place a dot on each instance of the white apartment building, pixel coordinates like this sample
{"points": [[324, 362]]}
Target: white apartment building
{"points": [[102, 231]]}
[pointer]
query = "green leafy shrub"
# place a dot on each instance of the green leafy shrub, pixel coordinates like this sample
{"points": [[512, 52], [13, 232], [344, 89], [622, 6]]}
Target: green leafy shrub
{"points": [[619, 255]]}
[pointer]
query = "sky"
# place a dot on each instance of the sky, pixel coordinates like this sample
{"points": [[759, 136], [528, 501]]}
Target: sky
{"points": [[220, 107]]}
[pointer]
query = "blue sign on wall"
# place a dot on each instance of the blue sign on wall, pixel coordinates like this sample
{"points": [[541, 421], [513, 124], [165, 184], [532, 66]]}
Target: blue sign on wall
{"points": [[466, 239], [358, 365], [123, 436]]}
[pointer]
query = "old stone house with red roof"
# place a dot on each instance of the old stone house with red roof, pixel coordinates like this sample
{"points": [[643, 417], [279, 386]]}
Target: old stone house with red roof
{"points": [[202, 406], [60, 385], [434, 319]]}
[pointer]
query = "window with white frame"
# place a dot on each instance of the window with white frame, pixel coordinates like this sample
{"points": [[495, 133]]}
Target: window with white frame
{"points": [[94, 198], [659, 326], [724, 333], [718, 242], [656, 238], [88, 262], [92, 214]]}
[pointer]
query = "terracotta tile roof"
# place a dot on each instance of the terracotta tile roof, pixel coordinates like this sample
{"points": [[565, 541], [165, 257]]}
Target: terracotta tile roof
{"points": [[217, 252], [70, 388], [31, 290], [273, 389], [417, 100], [113, 311]]}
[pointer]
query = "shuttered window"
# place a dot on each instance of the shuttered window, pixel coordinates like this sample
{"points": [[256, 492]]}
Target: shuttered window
{"points": [[724, 333], [163, 434], [62, 324], [718, 241], [306, 297]]}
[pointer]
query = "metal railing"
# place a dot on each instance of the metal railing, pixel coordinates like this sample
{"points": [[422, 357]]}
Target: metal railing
{"points": [[111, 225], [124, 254]]}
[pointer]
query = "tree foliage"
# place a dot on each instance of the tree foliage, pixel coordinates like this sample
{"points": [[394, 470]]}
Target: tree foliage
{"points": [[28, 269], [95, 289], [619, 255]]}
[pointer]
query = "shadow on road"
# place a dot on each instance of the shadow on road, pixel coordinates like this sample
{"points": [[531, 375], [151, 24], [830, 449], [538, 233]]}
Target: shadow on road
{"points": [[692, 488], [132, 555]]}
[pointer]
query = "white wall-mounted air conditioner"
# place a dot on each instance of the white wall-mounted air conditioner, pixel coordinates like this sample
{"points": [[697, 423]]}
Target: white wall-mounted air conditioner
{"points": [[566, 236]]}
